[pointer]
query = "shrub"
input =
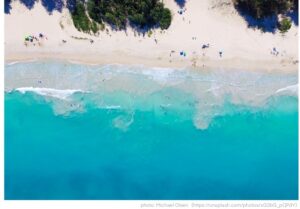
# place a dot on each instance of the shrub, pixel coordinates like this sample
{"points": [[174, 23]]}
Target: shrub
{"points": [[81, 20], [139, 13], [264, 8], [284, 25], [166, 18]]}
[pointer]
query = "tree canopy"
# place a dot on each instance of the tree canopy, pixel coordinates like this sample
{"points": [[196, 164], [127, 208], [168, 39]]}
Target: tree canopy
{"points": [[142, 14], [274, 9], [264, 8]]}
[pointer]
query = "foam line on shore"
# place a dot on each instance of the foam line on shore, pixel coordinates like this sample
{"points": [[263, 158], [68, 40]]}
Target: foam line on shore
{"points": [[290, 90], [57, 93]]}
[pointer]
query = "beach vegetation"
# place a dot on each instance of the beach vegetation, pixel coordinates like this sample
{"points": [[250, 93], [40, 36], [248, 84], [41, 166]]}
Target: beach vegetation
{"points": [[94, 27], [264, 8], [79, 17], [140, 14], [101, 26], [165, 19], [265, 13], [150, 32], [162, 16], [81, 20], [61, 25], [284, 25]]}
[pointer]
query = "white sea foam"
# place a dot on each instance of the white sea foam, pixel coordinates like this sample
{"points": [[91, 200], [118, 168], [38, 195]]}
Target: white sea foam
{"points": [[210, 90], [123, 122], [17, 62], [165, 75], [110, 107], [75, 62], [289, 90], [12, 63], [57, 93]]}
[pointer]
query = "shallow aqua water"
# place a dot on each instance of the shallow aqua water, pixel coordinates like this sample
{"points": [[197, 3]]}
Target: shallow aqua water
{"points": [[148, 151]]}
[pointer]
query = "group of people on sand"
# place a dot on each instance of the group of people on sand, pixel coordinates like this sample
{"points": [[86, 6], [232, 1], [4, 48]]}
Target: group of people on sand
{"points": [[34, 40], [204, 46], [274, 51], [182, 53]]}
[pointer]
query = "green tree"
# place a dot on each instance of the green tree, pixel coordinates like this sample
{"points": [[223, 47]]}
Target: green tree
{"points": [[260, 9], [284, 25], [79, 17], [81, 20], [141, 13], [263, 8], [166, 18]]}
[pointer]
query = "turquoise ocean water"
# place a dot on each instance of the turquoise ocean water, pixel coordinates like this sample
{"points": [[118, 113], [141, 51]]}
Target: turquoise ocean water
{"points": [[117, 132]]}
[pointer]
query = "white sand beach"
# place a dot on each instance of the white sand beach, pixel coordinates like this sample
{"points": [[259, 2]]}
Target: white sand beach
{"points": [[213, 22]]}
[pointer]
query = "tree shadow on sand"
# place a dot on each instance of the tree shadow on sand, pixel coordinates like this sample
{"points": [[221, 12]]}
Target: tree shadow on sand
{"points": [[268, 24], [28, 3], [71, 5], [180, 3], [294, 15], [49, 5], [7, 6]]}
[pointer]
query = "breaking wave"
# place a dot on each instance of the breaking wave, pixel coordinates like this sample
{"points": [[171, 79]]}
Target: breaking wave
{"points": [[199, 96], [49, 92], [291, 90]]}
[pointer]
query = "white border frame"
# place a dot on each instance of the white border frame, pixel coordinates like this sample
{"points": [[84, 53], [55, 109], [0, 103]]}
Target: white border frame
{"points": [[10, 204]]}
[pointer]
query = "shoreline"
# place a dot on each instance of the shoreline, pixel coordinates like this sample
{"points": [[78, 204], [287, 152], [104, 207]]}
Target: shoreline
{"points": [[107, 59]]}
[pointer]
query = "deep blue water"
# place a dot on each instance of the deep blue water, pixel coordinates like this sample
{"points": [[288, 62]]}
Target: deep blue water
{"points": [[149, 151]]}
